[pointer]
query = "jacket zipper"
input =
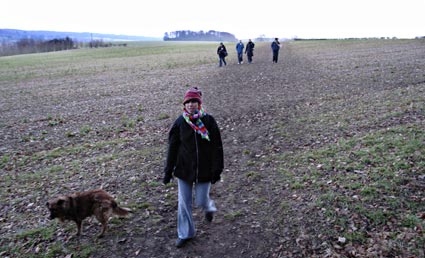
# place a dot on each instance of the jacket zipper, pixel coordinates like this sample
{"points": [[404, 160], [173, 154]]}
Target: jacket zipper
{"points": [[197, 159]]}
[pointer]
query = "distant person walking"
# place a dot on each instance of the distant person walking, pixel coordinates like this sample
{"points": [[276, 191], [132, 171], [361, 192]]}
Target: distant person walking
{"points": [[222, 53], [239, 49], [275, 48], [249, 51]]}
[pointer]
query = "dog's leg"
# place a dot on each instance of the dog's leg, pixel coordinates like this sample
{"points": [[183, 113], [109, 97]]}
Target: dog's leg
{"points": [[79, 226], [102, 217], [104, 228]]}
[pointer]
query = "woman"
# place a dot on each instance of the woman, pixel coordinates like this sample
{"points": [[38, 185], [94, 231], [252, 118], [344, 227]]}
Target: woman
{"points": [[195, 158], [222, 53]]}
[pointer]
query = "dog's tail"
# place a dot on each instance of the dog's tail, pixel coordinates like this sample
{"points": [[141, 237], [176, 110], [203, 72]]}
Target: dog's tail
{"points": [[119, 211]]}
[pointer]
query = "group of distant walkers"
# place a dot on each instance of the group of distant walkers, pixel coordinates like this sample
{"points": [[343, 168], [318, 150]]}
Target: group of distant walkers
{"points": [[249, 51]]}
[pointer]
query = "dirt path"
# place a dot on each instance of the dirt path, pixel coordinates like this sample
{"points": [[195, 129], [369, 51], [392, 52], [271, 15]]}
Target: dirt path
{"points": [[246, 99], [240, 97]]}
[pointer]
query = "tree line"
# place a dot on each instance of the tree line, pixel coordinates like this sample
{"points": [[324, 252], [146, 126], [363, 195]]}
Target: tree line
{"points": [[187, 35], [30, 45]]}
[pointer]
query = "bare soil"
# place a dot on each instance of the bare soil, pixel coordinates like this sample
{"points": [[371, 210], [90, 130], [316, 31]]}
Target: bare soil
{"points": [[264, 110]]}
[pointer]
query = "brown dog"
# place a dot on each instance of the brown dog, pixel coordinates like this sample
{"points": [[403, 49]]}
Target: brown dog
{"points": [[78, 206]]}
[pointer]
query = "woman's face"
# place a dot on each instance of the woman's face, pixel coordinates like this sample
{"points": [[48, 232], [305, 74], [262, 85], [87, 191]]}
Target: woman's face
{"points": [[191, 106]]}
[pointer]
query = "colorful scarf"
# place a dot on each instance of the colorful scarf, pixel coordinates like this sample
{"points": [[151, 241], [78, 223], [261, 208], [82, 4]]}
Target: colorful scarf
{"points": [[199, 127]]}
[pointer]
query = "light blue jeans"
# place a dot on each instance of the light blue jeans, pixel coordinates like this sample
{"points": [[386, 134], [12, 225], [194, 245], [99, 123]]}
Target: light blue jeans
{"points": [[185, 224]]}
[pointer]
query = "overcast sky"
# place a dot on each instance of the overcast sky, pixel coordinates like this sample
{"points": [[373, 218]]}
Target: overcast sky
{"points": [[245, 19]]}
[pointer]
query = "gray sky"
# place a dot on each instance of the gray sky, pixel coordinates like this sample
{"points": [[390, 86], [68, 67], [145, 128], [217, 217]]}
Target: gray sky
{"points": [[245, 19]]}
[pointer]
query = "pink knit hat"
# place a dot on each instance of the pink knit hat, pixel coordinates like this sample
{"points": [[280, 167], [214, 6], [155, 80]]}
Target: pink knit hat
{"points": [[193, 93]]}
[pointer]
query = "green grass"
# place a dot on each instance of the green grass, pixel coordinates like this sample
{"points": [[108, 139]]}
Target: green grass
{"points": [[39, 240], [43, 233], [85, 130], [163, 116], [86, 61], [233, 215], [365, 177], [61, 152]]}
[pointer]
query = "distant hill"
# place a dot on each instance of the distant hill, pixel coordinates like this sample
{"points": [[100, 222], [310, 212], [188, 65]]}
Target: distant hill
{"points": [[12, 35]]}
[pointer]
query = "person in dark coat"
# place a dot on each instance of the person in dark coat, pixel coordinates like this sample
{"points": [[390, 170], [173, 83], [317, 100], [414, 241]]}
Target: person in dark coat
{"points": [[249, 50], [195, 158], [275, 48], [222, 53]]}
